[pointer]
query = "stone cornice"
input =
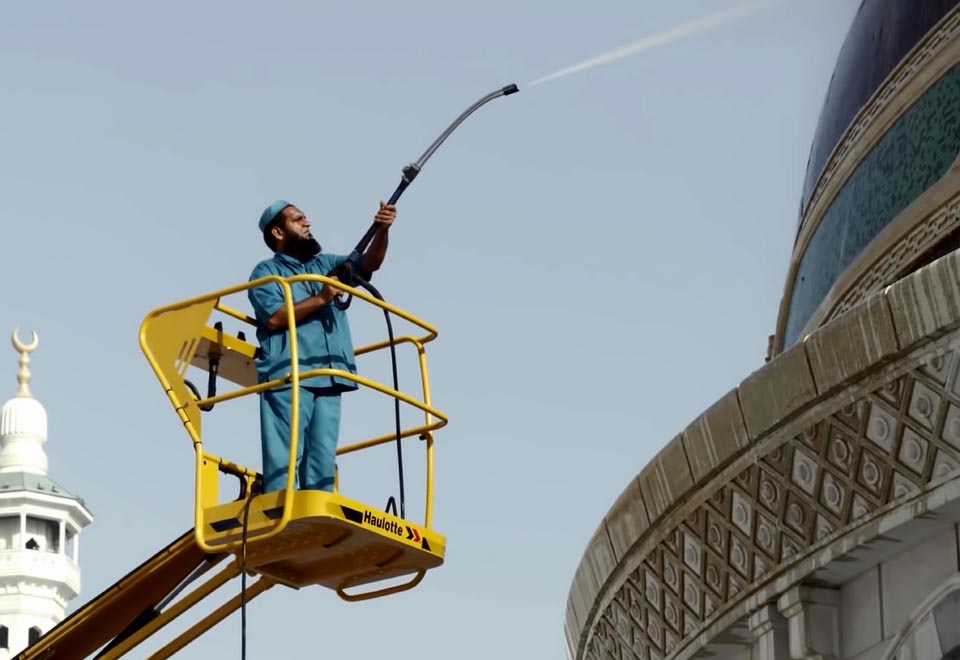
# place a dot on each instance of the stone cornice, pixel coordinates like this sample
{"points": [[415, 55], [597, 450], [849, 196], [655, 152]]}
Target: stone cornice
{"points": [[839, 430]]}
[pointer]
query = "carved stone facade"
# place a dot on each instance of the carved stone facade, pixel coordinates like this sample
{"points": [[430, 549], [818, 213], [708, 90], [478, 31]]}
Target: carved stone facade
{"points": [[898, 440], [813, 512], [774, 484]]}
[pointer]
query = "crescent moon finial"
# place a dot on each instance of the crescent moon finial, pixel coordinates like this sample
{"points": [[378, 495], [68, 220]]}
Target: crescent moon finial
{"points": [[25, 348], [23, 375]]}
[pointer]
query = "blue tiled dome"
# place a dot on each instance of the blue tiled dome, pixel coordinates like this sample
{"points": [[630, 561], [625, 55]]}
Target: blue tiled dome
{"points": [[882, 33], [892, 170]]}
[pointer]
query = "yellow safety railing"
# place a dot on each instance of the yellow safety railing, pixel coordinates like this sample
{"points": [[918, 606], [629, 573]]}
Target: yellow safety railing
{"points": [[170, 336]]}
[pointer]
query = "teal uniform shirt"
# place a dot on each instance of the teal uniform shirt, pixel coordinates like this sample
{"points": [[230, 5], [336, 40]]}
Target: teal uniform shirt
{"points": [[323, 338]]}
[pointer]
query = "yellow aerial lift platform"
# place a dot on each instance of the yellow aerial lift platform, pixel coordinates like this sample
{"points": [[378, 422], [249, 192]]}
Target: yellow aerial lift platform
{"points": [[293, 538]]}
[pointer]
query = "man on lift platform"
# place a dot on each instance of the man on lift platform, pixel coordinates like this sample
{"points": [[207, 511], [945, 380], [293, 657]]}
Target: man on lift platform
{"points": [[323, 341]]}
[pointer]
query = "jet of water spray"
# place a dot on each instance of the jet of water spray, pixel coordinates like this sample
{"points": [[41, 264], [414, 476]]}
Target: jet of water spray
{"points": [[667, 36]]}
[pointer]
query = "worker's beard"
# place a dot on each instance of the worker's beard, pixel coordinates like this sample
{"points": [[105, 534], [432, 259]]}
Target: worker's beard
{"points": [[304, 248]]}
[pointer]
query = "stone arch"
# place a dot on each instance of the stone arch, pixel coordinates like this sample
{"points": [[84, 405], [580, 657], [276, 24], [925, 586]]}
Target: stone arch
{"points": [[933, 630]]}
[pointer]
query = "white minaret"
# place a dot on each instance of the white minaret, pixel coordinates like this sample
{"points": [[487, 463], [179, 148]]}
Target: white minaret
{"points": [[40, 523]]}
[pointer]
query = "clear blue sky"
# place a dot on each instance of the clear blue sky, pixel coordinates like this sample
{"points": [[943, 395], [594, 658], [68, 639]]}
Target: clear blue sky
{"points": [[603, 255]]}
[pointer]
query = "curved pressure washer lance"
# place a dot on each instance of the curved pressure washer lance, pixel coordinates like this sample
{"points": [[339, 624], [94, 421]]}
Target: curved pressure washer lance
{"points": [[346, 272]]}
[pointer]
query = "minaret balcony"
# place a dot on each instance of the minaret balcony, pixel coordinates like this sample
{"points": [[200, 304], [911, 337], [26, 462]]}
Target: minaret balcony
{"points": [[36, 566]]}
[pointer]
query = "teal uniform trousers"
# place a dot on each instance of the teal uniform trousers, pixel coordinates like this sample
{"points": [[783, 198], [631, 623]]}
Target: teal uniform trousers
{"points": [[319, 427], [323, 341]]}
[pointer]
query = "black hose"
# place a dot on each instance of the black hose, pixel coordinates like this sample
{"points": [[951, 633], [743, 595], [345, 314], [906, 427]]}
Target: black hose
{"points": [[396, 386], [349, 276], [243, 578], [346, 271], [396, 406]]}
